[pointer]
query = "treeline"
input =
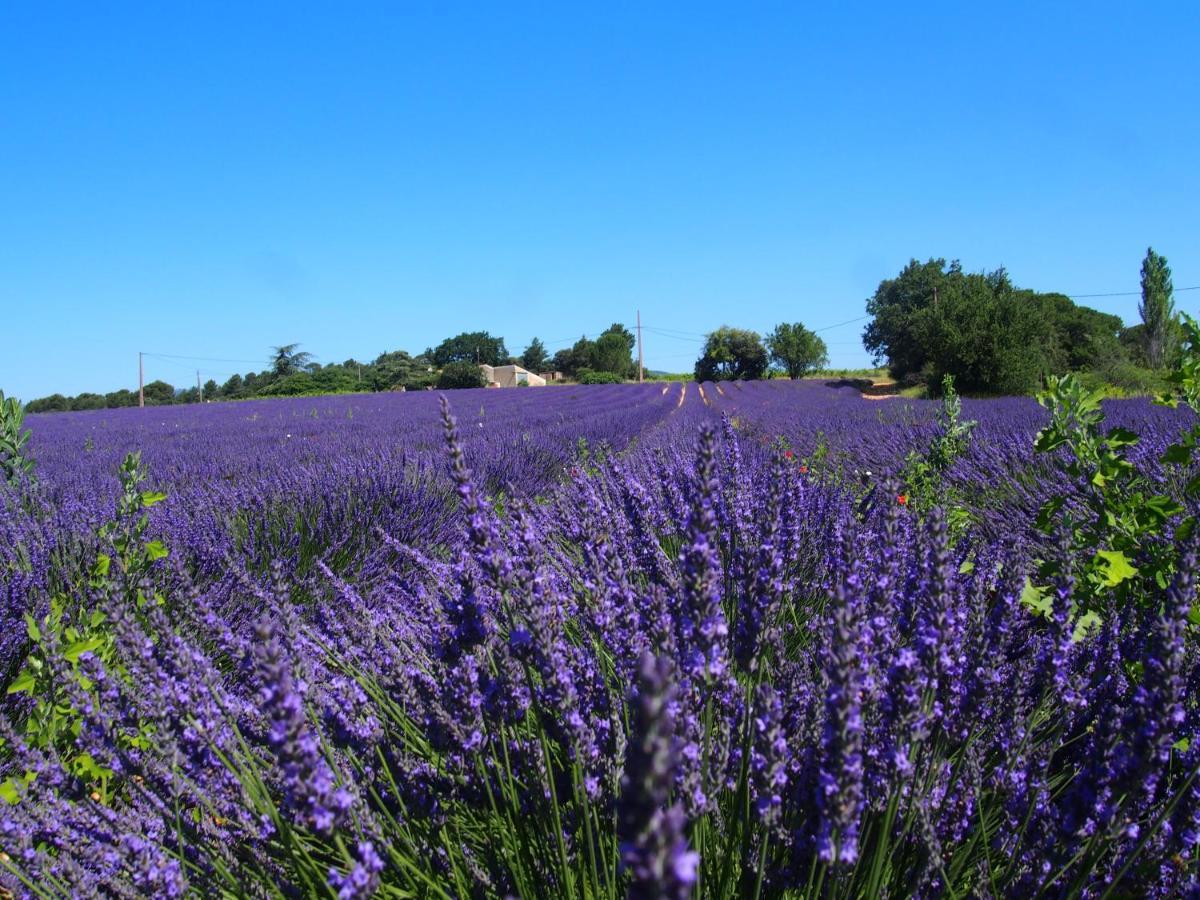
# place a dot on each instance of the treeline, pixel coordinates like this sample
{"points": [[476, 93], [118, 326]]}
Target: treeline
{"points": [[935, 319], [454, 363]]}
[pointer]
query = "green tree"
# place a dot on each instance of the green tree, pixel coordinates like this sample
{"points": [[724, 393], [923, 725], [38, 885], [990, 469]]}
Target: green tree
{"points": [[534, 358], [53, 403], [732, 353], [611, 353], [470, 346], [211, 390], [87, 401], [119, 399], [460, 374], [1157, 310], [796, 350], [287, 360], [393, 370], [159, 393], [578, 358], [233, 387]]}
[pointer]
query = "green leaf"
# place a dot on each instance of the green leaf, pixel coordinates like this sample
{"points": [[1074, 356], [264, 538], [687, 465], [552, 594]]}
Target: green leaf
{"points": [[1047, 440], [9, 792], [1048, 513], [1122, 437], [1177, 453], [103, 563], [1163, 506], [77, 649], [1035, 600], [23, 683], [149, 498], [31, 628], [156, 550], [1086, 624], [1193, 486], [1114, 567]]}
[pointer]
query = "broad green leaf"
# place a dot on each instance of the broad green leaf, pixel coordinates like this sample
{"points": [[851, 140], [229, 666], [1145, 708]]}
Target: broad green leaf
{"points": [[23, 683], [1177, 453], [1048, 440], [1122, 437], [149, 498], [9, 792], [77, 649], [1086, 624], [31, 628], [1048, 513], [100, 570], [156, 550], [1035, 600], [1115, 567], [1163, 506]]}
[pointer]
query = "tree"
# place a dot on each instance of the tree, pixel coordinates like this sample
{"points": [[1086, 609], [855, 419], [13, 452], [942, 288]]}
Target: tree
{"points": [[1157, 310], [87, 401], [53, 403], [391, 370], [580, 357], [796, 350], [471, 346], [159, 393], [233, 387], [120, 398], [210, 390], [460, 374], [933, 320], [534, 358], [732, 353], [611, 354], [288, 361]]}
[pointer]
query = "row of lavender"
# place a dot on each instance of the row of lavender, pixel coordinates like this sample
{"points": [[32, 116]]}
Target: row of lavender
{"points": [[698, 652]]}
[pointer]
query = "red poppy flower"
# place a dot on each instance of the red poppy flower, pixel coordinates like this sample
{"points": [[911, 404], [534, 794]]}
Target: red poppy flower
{"points": [[902, 499], [788, 454], [804, 470]]}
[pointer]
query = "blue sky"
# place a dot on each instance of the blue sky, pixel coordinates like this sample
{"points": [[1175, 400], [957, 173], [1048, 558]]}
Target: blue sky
{"points": [[209, 180]]}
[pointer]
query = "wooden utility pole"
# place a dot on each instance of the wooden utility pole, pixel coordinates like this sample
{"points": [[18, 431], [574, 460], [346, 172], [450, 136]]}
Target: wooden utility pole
{"points": [[141, 381], [641, 369], [199, 390]]}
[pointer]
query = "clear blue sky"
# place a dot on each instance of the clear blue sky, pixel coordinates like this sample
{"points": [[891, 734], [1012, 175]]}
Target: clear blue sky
{"points": [[209, 180]]}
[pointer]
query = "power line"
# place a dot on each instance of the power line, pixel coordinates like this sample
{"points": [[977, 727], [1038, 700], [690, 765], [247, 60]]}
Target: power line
{"points": [[1127, 293], [203, 358]]}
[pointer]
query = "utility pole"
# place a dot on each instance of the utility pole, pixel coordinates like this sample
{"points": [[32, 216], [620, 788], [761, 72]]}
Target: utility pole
{"points": [[141, 381], [641, 370], [199, 390]]}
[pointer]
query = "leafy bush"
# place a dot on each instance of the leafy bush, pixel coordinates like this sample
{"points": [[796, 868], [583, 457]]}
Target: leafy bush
{"points": [[14, 461], [590, 376], [460, 375]]}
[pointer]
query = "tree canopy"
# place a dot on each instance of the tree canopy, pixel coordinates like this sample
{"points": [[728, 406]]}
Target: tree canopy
{"points": [[535, 357], [732, 353], [471, 346], [460, 374], [796, 350], [288, 360], [934, 319], [1157, 309]]}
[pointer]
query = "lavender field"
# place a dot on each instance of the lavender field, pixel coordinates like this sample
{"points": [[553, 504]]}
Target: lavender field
{"points": [[763, 639]]}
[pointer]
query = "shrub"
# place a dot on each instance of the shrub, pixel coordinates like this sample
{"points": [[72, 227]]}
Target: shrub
{"points": [[590, 376], [457, 375]]}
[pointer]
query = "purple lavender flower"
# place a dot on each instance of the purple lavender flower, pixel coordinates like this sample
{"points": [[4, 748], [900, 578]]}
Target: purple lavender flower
{"points": [[654, 850]]}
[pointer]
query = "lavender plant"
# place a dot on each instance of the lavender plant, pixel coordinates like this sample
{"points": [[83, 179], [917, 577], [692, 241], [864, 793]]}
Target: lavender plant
{"points": [[685, 669]]}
